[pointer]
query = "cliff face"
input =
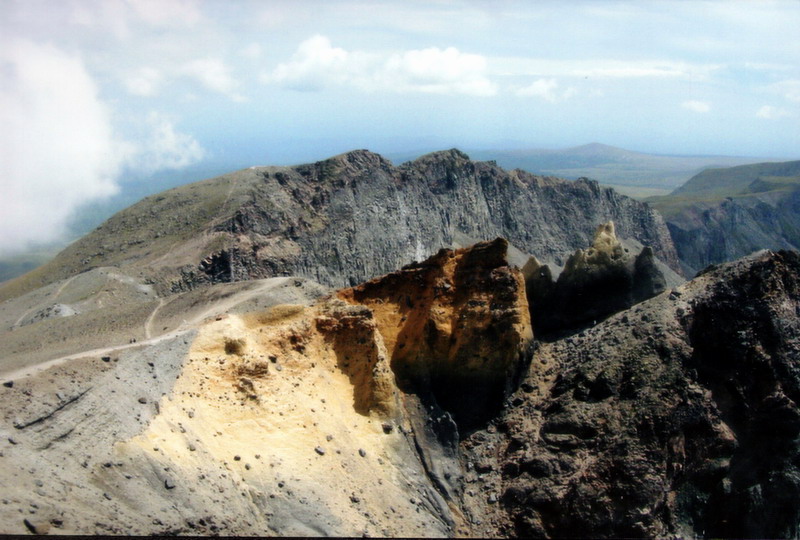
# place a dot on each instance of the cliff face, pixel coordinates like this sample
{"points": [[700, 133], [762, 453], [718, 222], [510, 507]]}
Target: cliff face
{"points": [[736, 227], [345, 220], [722, 214], [356, 216], [678, 416]]}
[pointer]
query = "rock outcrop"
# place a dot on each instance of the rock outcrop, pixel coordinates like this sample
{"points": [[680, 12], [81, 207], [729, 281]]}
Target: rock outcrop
{"points": [[456, 327], [595, 283], [677, 417], [345, 220]]}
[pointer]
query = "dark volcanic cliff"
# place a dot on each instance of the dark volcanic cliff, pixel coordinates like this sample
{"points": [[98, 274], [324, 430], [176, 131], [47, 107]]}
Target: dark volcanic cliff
{"points": [[348, 219], [676, 417]]}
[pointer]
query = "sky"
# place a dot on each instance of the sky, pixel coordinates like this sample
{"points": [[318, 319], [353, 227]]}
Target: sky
{"points": [[95, 94]]}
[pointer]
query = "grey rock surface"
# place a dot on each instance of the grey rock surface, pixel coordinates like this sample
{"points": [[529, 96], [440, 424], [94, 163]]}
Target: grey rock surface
{"points": [[347, 219], [736, 227], [677, 417]]}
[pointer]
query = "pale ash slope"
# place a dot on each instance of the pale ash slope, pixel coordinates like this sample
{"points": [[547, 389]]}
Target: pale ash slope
{"points": [[344, 220], [283, 422], [107, 311]]}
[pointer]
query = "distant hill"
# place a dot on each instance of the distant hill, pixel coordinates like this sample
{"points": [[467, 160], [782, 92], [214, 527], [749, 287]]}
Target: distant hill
{"points": [[612, 166], [723, 214], [742, 180]]}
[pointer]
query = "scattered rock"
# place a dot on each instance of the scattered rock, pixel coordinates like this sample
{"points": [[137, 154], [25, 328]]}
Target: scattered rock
{"points": [[319, 450], [169, 483], [36, 527], [362, 452], [142, 400], [8, 384]]}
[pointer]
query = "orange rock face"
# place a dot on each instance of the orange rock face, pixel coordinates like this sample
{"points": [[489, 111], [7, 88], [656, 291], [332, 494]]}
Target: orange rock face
{"points": [[456, 325]]}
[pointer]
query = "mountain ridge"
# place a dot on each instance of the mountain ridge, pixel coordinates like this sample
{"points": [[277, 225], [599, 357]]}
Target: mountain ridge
{"points": [[328, 221]]}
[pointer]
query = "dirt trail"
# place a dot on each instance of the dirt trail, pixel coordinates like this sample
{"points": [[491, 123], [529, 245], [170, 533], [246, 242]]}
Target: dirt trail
{"points": [[187, 326], [54, 296], [149, 322], [105, 351]]}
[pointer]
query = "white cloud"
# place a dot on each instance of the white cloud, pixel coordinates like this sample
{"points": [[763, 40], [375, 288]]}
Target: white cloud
{"points": [[143, 82], [768, 112], [253, 51], [165, 148], [602, 68], [166, 12], [314, 65], [214, 75], [317, 64], [789, 89], [434, 70], [546, 89], [58, 147], [696, 106]]}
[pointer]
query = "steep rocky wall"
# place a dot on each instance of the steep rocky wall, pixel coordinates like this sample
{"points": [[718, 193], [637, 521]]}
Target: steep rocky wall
{"points": [[456, 326], [356, 216], [677, 417], [735, 228], [345, 220]]}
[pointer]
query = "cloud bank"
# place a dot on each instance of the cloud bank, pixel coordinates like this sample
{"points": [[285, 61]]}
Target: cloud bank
{"points": [[317, 64], [59, 149]]}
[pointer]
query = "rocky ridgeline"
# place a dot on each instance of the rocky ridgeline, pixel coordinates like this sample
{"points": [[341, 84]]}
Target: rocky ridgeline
{"points": [[355, 216], [345, 220]]}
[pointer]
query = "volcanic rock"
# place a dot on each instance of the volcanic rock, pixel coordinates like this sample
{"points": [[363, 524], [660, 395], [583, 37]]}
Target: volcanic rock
{"points": [[456, 326], [599, 281], [677, 417]]}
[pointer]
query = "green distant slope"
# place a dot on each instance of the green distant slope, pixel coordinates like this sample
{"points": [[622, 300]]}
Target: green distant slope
{"points": [[723, 214], [611, 165], [734, 181]]}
